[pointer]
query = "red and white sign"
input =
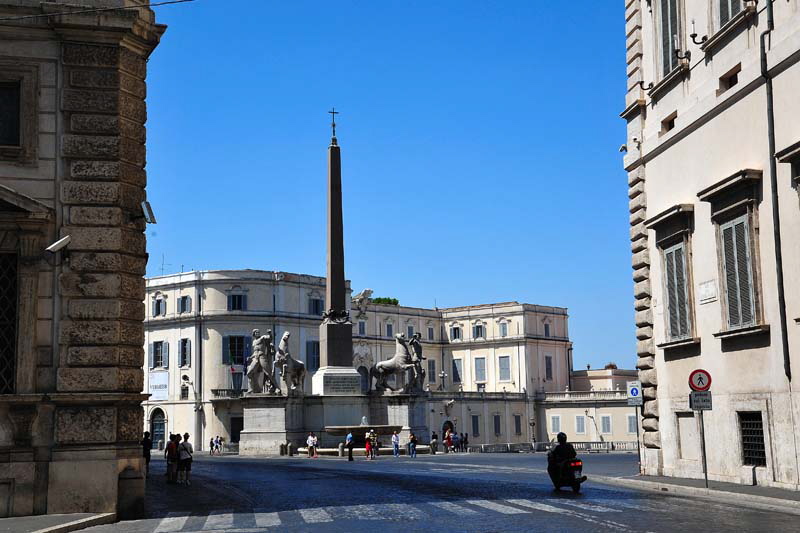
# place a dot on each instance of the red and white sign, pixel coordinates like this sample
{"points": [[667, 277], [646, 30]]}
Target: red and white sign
{"points": [[700, 380]]}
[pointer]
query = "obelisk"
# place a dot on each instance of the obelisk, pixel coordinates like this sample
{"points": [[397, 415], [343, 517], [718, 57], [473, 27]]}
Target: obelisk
{"points": [[336, 375]]}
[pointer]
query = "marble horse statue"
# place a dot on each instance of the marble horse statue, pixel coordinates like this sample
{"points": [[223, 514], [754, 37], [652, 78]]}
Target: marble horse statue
{"points": [[397, 365], [292, 370]]}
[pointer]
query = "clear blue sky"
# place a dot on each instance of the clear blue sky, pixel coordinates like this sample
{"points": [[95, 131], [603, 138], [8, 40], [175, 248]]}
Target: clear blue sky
{"points": [[479, 146]]}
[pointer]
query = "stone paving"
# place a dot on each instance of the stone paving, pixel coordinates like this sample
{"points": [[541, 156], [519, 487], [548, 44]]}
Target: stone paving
{"points": [[444, 493]]}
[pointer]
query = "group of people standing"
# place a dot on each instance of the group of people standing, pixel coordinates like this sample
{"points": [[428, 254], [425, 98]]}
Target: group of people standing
{"points": [[455, 442], [179, 454], [311, 444], [215, 445]]}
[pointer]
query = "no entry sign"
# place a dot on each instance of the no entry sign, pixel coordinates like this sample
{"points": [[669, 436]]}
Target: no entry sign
{"points": [[700, 380]]}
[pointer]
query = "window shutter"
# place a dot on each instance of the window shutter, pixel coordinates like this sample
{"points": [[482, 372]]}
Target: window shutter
{"points": [[230, 303], [724, 12], [681, 292], [188, 304], [244, 302], [165, 352], [150, 354], [188, 352], [731, 280], [153, 308], [226, 348], [743, 270]]}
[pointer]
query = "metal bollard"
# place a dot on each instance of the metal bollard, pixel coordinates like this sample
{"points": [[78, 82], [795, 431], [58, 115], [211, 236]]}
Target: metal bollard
{"points": [[341, 449], [289, 449], [283, 449]]}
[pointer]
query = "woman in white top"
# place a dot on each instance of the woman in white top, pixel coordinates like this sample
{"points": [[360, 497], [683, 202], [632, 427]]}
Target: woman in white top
{"points": [[185, 452], [310, 443]]}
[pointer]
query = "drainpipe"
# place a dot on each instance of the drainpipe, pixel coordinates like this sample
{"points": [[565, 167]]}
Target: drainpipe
{"points": [[773, 178]]}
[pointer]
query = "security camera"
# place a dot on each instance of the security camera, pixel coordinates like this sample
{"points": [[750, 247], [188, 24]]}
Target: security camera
{"points": [[185, 378], [149, 216], [623, 148], [60, 244]]}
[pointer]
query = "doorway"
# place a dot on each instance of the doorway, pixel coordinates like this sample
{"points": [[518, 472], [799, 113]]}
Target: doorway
{"points": [[237, 425], [158, 428]]}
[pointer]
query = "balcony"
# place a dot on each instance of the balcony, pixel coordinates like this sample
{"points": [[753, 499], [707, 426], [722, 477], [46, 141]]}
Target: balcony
{"points": [[226, 394]]}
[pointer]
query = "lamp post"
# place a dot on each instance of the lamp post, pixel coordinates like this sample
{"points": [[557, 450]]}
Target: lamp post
{"points": [[442, 377]]}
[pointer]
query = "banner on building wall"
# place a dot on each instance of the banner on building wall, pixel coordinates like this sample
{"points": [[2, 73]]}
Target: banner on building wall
{"points": [[159, 386]]}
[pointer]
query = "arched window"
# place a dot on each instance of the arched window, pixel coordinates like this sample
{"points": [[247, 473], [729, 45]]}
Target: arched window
{"points": [[158, 428]]}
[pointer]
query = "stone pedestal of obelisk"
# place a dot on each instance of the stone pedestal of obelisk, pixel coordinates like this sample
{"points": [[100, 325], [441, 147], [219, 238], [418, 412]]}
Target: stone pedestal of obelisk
{"points": [[336, 375]]}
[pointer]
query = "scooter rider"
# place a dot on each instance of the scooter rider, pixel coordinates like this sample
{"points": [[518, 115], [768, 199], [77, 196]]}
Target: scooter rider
{"points": [[556, 457]]}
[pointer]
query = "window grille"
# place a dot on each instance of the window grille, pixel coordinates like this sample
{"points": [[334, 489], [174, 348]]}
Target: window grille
{"points": [[184, 392], [753, 449], [8, 323]]}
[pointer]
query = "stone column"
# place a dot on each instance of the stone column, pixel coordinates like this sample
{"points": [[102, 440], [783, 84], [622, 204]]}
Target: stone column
{"points": [[635, 114]]}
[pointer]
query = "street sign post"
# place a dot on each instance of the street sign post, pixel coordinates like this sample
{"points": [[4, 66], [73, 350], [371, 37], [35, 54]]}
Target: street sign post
{"points": [[635, 393], [700, 400], [635, 399]]}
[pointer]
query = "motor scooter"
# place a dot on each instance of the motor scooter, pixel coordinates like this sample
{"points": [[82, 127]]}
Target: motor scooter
{"points": [[569, 474]]}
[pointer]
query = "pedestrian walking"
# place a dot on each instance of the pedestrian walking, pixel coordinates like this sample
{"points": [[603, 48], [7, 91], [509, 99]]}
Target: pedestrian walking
{"points": [[147, 445], [373, 443], [456, 442], [217, 444], [316, 445], [349, 445], [211, 446], [396, 444], [434, 443], [171, 455], [367, 446], [185, 452], [466, 442], [310, 445], [412, 445]]}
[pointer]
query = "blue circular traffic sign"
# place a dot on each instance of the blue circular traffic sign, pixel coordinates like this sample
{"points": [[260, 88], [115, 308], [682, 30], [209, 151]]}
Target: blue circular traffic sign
{"points": [[634, 391]]}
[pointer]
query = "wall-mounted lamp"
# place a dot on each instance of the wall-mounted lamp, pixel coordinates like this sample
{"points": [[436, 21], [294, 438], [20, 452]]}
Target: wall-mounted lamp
{"points": [[640, 83], [693, 35], [686, 55], [58, 248]]}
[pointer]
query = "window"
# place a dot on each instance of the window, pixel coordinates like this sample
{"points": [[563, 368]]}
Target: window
{"points": [[456, 370], [362, 328], [159, 354], [605, 424], [185, 352], [237, 380], [517, 425], [497, 425], [478, 331], [505, 368], [728, 9], [8, 323], [235, 350], [476, 425], [752, 429], [312, 355], [389, 329], [159, 306], [316, 306], [668, 124], [633, 424], [677, 288], [504, 329], [430, 333], [184, 304], [580, 424], [548, 367], [184, 392], [546, 329], [410, 331], [738, 277], [729, 79], [455, 333], [669, 35], [480, 369], [555, 424], [10, 113], [431, 370], [237, 302]]}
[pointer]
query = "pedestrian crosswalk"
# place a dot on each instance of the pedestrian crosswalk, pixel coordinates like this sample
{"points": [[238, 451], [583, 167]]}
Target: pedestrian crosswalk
{"points": [[600, 513]]}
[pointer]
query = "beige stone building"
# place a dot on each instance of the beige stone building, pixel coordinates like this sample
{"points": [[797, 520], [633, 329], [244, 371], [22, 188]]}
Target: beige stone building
{"points": [[484, 363], [72, 159], [713, 161]]}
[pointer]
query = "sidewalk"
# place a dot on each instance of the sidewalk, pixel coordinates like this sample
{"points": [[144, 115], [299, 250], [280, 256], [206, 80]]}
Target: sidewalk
{"points": [[55, 523], [764, 498]]}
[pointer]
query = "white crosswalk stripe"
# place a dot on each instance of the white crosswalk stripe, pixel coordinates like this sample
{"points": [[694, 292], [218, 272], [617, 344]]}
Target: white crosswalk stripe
{"points": [[494, 506], [586, 506], [172, 522], [266, 519], [454, 508], [315, 516], [219, 520], [569, 512]]}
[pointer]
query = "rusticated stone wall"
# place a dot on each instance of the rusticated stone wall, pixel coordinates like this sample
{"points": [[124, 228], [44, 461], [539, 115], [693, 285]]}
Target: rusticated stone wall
{"points": [[635, 114]]}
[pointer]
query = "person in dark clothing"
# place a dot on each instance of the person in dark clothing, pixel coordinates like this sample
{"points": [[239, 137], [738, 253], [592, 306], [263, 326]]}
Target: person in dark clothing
{"points": [[562, 452], [147, 445], [465, 442]]}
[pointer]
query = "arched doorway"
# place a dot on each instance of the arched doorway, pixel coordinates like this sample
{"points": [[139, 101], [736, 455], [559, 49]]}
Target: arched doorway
{"points": [[448, 425], [158, 427], [365, 381]]}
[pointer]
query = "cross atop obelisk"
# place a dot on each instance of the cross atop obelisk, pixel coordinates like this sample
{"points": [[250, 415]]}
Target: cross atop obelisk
{"points": [[336, 374]]}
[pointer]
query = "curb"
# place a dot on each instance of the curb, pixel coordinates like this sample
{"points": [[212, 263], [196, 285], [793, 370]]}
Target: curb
{"points": [[83, 523], [764, 503]]}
